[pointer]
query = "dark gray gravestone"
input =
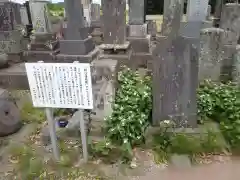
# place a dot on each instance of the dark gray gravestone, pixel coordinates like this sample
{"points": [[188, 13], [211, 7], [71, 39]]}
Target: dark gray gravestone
{"points": [[6, 17], [114, 21], [136, 12], [230, 23], [172, 18], [77, 45], [175, 80], [211, 54]]}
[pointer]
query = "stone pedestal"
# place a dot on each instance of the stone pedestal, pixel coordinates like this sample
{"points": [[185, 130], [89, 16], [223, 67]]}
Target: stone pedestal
{"points": [[42, 46], [120, 52]]}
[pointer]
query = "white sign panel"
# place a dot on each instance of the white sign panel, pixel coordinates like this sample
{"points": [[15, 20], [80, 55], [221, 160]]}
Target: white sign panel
{"points": [[197, 10], [60, 85]]}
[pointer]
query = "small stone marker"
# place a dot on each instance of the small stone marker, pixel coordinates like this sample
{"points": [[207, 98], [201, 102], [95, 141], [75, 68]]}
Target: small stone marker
{"points": [[73, 83]]}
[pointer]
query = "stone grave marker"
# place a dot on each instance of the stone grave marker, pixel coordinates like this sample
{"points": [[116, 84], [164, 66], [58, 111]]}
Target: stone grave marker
{"points": [[230, 23], [172, 18], [95, 15], [40, 16], [115, 45], [138, 37], [197, 10], [175, 80], [10, 31], [211, 54], [77, 44], [43, 43]]}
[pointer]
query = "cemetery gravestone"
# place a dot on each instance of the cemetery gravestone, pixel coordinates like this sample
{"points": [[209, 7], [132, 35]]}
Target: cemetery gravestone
{"points": [[10, 34], [172, 18], [197, 10], [115, 45], [175, 80], [138, 37], [43, 43], [230, 23], [77, 45], [95, 15], [211, 54]]}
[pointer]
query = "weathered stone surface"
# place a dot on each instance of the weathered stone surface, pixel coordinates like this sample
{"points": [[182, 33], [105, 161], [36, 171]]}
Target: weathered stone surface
{"points": [[136, 12], [180, 161], [138, 30], [211, 54], [73, 127], [140, 44], [114, 21], [197, 10], [227, 62], [40, 16], [152, 28], [95, 12], [175, 80], [230, 22], [236, 66], [172, 18], [104, 79], [10, 121], [3, 60], [76, 40]]}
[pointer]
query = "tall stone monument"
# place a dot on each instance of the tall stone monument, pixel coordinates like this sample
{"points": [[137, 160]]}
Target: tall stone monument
{"points": [[175, 75], [138, 37], [43, 44], [77, 45], [115, 44]]}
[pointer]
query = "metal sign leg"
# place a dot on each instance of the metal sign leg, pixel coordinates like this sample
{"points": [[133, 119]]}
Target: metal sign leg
{"points": [[83, 137], [52, 130]]}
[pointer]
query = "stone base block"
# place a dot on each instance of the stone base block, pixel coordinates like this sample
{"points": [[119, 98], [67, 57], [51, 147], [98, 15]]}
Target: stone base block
{"points": [[137, 30], [49, 46], [14, 58], [96, 24], [140, 44], [115, 48], [140, 60], [42, 37], [76, 47], [81, 58], [192, 29], [34, 56]]}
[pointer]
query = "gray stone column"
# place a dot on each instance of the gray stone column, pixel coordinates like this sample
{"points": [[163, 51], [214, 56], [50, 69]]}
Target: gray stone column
{"points": [[211, 54]]}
